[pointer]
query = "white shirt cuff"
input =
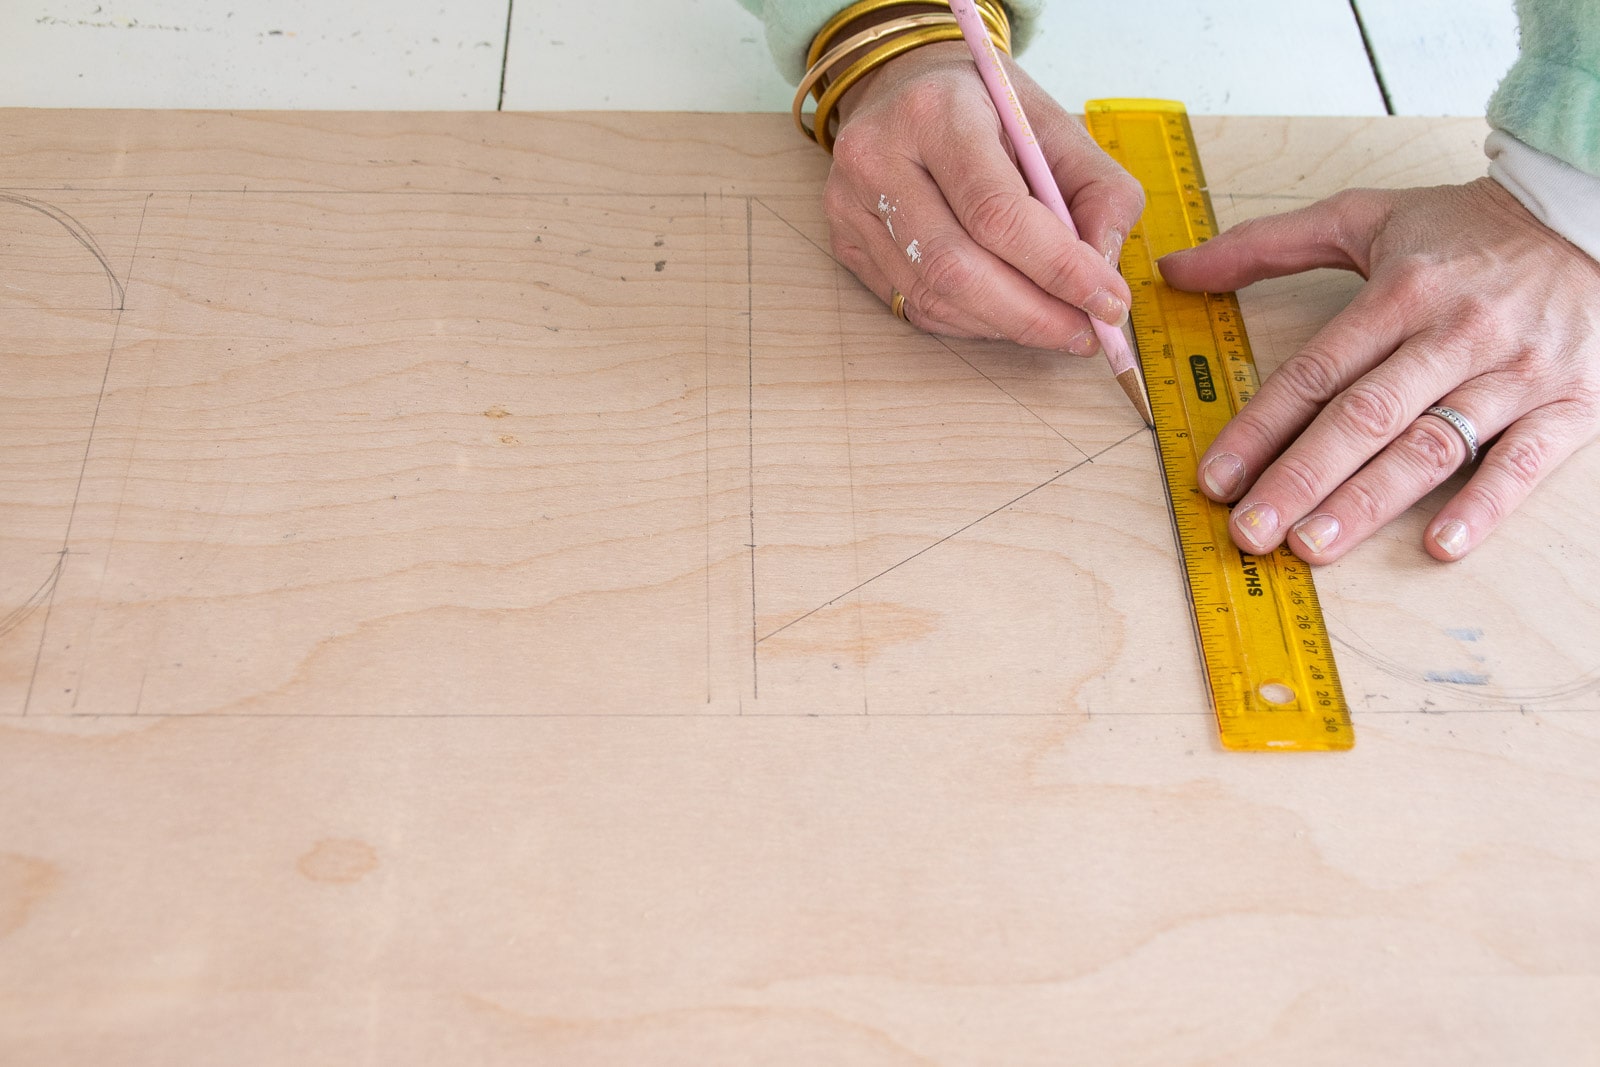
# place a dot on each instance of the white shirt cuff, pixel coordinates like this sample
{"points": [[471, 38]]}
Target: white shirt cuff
{"points": [[1560, 195]]}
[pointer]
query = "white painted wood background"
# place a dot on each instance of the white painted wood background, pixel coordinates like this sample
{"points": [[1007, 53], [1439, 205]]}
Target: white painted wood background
{"points": [[1432, 57]]}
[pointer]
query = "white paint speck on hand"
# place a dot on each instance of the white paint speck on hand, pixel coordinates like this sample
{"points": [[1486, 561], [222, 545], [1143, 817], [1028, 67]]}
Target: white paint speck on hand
{"points": [[913, 252], [887, 210]]}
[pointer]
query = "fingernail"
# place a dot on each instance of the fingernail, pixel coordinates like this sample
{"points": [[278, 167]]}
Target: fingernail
{"points": [[1318, 532], [1114, 246], [1258, 524], [1107, 308], [1452, 537], [1084, 344], [1222, 473]]}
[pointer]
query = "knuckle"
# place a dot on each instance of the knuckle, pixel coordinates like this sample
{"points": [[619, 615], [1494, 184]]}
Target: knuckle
{"points": [[947, 269], [838, 201], [1527, 370], [1523, 458], [1411, 283], [1478, 321], [1312, 375], [925, 103], [852, 255], [1130, 195], [1362, 504], [1343, 201], [1584, 401], [858, 153], [1303, 481], [852, 152], [1371, 408], [996, 219], [1037, 329], [1434, 447], [1120, 196], [1350, 215], [927, 306], [1492, 504], [1248, 435], [1063, 276]]}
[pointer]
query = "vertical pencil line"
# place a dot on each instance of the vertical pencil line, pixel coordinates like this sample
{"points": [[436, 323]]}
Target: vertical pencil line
{"points": [[850, 474], [750, 434], [505, 58], [705, 415]]}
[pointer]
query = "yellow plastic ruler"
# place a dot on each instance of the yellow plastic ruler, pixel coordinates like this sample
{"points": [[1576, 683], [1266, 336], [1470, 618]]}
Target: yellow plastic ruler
{"points": [[1259, 625]]}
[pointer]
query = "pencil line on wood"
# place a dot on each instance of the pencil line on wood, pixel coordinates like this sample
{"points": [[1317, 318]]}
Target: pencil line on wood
{"points": [[88, 445], [705, 415], [1101, 717], [850, 479], [750, 428], [79, 233], [929, 548], [1010, 396]]}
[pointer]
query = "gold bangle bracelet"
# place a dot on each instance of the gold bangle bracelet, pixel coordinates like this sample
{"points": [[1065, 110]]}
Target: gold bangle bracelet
{"points": [[992, 11], [866, 65], [819, 43], [820, 68], [906, 32]]}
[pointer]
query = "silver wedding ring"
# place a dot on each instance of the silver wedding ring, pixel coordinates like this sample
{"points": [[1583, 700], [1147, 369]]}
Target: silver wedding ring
{"points": [[1462, 425]]}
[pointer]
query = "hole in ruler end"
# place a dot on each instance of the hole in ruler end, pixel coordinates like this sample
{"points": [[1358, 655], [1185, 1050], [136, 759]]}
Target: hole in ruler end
{"points": [[1276, 693]]}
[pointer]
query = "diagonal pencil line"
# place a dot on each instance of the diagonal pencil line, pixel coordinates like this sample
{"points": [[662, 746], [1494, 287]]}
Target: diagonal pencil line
{"points": [[127, 279], [1085, 462], [796, 230], [943, 343], [1011, 396]]}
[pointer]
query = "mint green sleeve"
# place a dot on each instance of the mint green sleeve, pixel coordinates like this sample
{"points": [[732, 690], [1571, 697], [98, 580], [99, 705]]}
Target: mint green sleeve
{"points": [[791, 24], [1550, 99]]}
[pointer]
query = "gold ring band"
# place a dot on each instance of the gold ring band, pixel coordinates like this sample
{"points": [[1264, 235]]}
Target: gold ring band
{"points": [[897, 304]]}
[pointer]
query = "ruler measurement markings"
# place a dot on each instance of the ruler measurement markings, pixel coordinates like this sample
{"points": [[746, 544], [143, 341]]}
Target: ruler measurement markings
{"points": [[1260, 630]]}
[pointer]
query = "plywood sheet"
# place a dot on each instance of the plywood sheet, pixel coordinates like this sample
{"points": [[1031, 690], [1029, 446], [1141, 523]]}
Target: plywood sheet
{"points": [[497, 584]]}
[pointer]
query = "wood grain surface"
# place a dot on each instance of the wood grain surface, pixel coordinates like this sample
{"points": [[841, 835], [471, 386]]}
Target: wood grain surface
{"points": [[492, 589]]}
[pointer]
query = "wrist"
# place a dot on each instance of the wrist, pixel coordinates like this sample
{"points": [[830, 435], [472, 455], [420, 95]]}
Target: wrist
{"points": [[920, 63], [853, 46]]}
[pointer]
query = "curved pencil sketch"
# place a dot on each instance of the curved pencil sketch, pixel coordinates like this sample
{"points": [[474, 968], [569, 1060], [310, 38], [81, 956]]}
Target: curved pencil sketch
{"points": [[78, 233]]}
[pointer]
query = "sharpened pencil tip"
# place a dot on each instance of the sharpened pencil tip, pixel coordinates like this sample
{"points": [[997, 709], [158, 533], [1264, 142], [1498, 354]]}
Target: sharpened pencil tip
{"points": [[1129, 380]]}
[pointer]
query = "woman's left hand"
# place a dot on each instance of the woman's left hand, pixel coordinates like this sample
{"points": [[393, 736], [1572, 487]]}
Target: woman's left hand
{"points": [[1470, 303]]}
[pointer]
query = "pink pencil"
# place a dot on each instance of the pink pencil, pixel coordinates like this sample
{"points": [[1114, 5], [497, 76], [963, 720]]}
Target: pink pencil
{"points": [[1042, 183]]}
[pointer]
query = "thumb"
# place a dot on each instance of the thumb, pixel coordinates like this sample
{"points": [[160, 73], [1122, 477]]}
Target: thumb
{"points": [[1337, 232]]}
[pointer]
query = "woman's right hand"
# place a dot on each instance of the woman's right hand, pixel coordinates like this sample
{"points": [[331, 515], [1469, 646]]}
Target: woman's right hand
{"points": [[924, 196]]}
